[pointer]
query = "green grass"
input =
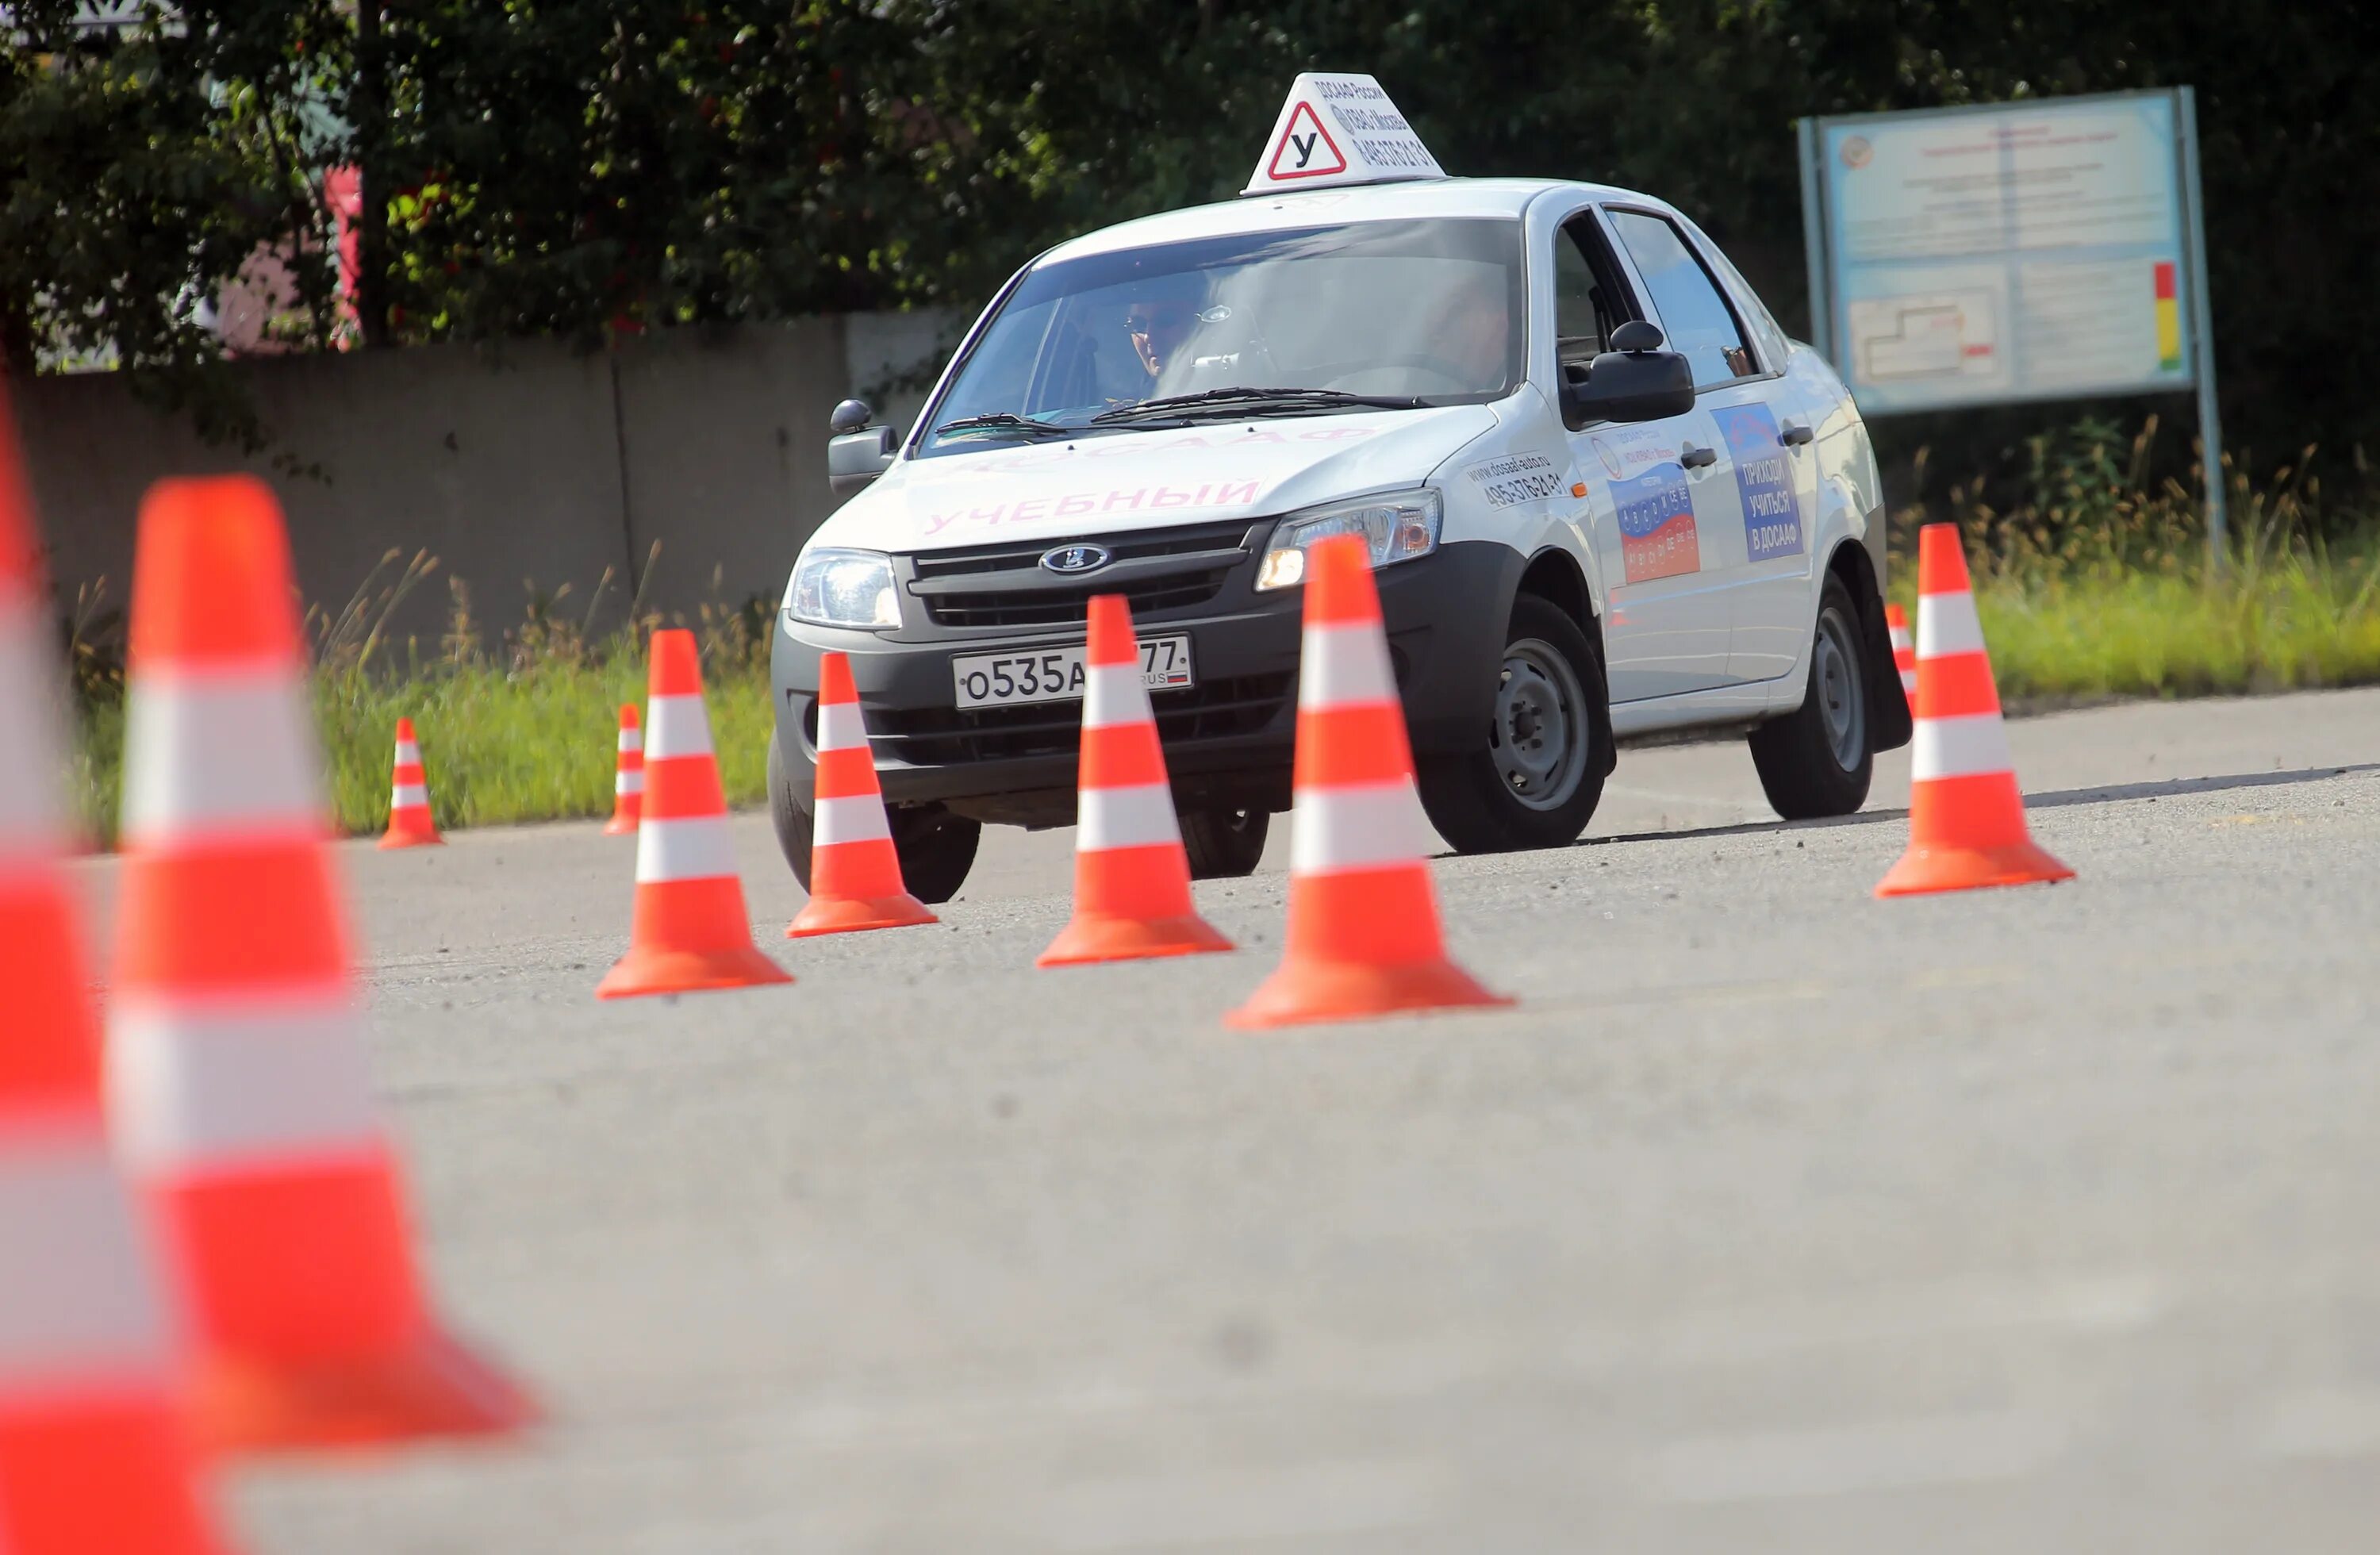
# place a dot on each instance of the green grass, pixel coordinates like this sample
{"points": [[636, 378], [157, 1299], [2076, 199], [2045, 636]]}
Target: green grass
{"points": [[2098, 587]]}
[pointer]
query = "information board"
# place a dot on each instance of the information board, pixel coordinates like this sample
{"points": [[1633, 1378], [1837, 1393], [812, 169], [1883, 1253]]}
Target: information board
{"points": [[2003, 253], [2029, 251]]}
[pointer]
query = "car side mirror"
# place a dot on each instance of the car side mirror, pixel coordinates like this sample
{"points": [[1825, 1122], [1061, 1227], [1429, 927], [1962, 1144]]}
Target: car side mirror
{"points": [[859, 452], [1635, 380]]}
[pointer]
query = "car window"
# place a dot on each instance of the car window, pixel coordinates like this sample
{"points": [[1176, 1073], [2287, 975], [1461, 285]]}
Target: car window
{"points": [[1429, 309], [1695, 318], [1582, 321]]}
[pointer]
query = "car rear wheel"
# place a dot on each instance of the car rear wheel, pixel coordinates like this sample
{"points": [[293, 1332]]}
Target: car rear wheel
{"points": [[1224, 845], [1539, 775], [1817, 759], [935, 848]]}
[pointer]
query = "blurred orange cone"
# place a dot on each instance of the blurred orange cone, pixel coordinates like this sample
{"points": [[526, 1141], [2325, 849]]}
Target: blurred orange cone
{"points": [[408, 800], [1966, 814], [627, 776], [855, 874], [94, 1455], [1132, 877], [1363, 917], [689, 930], [1905, 653], [238, 1089]]}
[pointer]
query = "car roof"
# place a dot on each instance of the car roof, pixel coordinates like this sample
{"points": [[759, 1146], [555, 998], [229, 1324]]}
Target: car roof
{"points": [[1400, 200]]}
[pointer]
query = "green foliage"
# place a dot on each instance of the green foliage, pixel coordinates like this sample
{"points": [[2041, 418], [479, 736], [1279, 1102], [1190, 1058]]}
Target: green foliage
{"points": [[142, 170], [577, 169]]}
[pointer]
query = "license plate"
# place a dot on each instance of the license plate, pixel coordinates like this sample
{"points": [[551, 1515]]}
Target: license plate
{"points": [[1055, 675]]}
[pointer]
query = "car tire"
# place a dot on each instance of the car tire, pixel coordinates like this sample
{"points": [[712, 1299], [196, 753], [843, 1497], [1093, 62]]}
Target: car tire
{"points": [[1223, 843], [1537, 776], [935, 848], [1817, 761]]}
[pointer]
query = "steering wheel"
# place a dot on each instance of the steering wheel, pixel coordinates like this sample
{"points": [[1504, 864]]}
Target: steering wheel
{"points": [[1455, 381]]}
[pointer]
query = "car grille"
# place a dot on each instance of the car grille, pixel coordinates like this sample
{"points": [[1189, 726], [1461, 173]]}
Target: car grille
{"points": [[946, 736], [1006, 584]]}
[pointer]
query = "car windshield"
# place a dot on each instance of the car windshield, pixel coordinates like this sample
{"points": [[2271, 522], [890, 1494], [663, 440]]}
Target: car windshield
{"points": [[1349, 317]]}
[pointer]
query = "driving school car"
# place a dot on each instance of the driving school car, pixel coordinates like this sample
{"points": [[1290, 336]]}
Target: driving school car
{"points": [[1603, 492]]}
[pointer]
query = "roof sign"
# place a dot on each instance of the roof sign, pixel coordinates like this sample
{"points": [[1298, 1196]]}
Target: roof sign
{"points": [[1336, 130]]}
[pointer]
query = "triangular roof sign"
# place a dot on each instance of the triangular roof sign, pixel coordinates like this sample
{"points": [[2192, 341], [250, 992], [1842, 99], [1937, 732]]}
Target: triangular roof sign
{"points": [[1336, 130]]}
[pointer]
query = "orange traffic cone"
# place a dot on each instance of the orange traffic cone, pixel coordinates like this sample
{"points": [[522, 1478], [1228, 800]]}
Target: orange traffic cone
{"points": [[93, 1455], [1132, 878], [1363, 918], [409, 799], [855, 874], [1905, 653], [1966, 814], [689, 930], [627, 776], [238, 1088]]}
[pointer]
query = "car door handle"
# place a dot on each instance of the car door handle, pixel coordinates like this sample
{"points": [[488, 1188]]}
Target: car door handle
{"points": [[1697, 458], [1795, 434]]}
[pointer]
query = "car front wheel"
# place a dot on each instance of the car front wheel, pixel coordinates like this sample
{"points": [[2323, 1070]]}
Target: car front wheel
{"points": [[1537, 774], [935, 848]]}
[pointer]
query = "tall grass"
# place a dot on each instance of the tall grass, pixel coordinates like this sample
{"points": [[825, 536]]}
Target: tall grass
{"points": [[2102, 584], [515, 729]]}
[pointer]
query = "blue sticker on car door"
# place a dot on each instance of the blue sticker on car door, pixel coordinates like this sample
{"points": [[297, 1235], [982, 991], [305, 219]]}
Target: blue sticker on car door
{"points": [[1764, 476]]}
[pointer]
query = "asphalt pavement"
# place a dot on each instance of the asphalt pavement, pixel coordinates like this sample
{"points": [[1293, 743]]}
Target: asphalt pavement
{"points": [[1773, 1218]]}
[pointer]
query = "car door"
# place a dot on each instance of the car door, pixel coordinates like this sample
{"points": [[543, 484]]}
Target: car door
{"points": [[1763, 431], [1651, 492]]}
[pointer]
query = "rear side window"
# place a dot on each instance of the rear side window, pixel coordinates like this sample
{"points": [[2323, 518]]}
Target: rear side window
{"points": [[1693, 315]]}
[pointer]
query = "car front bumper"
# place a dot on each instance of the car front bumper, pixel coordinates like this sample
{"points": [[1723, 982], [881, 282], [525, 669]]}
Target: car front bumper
{"points": [[1229, 739]]}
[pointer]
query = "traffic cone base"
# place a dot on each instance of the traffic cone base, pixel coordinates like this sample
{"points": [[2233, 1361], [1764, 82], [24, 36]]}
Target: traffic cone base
{"points": [[1925, 870], [1093, 937], [655, 969], [1309, 992], [850, 915], [409, 832], [108, 1474], [620, 825], [431, 1386]]}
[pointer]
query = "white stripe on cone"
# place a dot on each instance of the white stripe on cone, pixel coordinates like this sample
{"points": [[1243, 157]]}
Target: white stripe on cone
{"points": [[632, 741], [1909, 682], [693, 847], [29, 816], [1970, 745], [678, 726], [193, 1087], [409, 797], [858, 817], [1899, 637], [1947, 625], [840, 727], [81, 1307], [207, 752], [407, 754], [1345, 665], [1114, 695], [629, 783], [1138, 816], [1363, 826]]}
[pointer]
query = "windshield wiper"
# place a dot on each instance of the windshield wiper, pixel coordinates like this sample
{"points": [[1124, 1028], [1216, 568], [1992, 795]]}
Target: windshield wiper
{"points": [[1006, 421], [1232, 400]]}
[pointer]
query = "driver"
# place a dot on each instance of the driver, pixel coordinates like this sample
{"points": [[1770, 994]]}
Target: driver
{"points": [[1473, 334], [1160, 318]]}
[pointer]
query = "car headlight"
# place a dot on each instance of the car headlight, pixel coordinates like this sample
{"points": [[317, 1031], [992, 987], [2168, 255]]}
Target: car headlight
{"points": [[1397, 527], [844, 588]]}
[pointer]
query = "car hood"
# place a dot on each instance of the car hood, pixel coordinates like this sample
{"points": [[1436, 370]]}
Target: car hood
{"points": [[1138, 480]]}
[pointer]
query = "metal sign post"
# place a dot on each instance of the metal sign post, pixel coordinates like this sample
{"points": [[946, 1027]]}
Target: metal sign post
{"points": [[2014, 253]]}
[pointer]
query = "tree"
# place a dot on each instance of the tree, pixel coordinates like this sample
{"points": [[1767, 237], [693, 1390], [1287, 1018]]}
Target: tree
{"points": [[144, 167]]}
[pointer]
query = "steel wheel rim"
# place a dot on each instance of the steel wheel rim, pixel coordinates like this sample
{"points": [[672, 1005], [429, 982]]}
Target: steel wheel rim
{"points": [[1538, 739], [1834, 681]]}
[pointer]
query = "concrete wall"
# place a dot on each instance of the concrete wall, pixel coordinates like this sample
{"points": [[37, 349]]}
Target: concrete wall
{"points": [[529, 463]]}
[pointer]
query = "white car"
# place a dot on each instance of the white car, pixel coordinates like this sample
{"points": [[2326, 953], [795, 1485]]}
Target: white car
{"points": [[1605, 494]]}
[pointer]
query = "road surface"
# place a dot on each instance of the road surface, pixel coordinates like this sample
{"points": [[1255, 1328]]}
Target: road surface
{"points": [[1774, 1217]]}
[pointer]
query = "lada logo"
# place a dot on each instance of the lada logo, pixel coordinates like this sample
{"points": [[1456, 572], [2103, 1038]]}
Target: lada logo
{"points": [[1076, 558]]}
